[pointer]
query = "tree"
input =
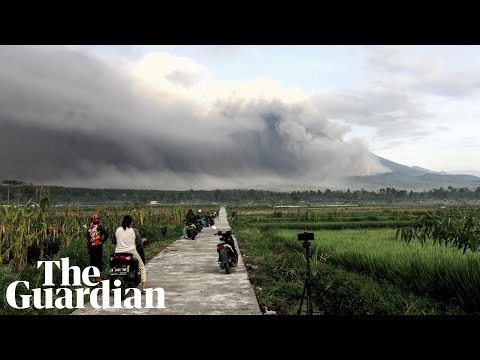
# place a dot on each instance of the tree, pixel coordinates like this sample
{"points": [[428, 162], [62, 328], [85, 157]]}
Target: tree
{"points": [[13, 182], [217, 193]]}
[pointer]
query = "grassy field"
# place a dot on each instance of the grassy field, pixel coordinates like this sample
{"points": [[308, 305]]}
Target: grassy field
{"points": [[58, 234], [358, 265], [355, 270]]}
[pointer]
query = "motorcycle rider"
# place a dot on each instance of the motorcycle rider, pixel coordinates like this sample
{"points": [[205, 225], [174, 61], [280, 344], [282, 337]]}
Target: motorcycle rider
{"points": [[125, 239], [189, 219], [138, 243]]}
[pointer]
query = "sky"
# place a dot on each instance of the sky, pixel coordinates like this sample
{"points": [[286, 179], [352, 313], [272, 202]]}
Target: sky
{"points": [[260, 116]]}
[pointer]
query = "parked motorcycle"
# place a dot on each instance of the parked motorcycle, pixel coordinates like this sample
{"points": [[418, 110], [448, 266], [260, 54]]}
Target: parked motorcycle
{"points": [[227, 256], [210, 220], [124, 267], [204, 221], [199, 225]]}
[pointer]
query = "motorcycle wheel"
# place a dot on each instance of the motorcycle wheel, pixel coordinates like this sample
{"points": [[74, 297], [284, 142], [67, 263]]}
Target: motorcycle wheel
{"points": [[223, 258], [228, 270]]}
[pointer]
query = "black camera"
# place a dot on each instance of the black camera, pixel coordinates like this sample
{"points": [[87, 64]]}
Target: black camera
{"points": [[306, 236]]}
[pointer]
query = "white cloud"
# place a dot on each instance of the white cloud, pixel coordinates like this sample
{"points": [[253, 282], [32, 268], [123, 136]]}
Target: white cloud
{"points": [[445, 71], [182, 77], [391, 113], [170, 74], [404, 59]]}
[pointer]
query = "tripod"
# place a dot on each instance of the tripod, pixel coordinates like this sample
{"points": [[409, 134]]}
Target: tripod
{"points": [[306, 287]]}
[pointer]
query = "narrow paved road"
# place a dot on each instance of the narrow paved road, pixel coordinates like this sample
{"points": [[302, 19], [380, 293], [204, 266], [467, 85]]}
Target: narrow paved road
{"points": [[193, 282]]}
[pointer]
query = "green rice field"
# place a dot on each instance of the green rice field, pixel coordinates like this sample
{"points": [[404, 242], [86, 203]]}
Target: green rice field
{"points": [[355, 270]]}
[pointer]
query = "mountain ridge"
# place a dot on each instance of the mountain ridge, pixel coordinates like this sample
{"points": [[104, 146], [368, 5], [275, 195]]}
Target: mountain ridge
{"points": [[411, 178]]}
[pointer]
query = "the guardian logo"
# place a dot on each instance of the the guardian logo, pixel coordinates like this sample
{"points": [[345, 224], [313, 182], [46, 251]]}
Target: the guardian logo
{"points": [[43, 297]]}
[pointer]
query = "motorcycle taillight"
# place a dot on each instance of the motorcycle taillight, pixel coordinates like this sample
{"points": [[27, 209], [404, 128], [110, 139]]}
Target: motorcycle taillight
{"points": [[220, 247]]}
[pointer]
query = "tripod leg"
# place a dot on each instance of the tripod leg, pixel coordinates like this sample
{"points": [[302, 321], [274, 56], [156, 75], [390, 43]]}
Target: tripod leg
{"points": [[309, 299], [303, 296]]}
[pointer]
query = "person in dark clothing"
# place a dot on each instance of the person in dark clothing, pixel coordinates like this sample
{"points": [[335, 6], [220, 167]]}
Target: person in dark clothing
{"points": [[190, 218], [96, 235]]}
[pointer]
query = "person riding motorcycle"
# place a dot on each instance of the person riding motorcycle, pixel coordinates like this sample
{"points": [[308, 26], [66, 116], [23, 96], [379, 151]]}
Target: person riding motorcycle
{"points": [[125, 242], [190, 218], [138, 244]]}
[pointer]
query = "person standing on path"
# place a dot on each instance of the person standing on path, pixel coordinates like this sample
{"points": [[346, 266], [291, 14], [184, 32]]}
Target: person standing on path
{"points": [[96, 235]]}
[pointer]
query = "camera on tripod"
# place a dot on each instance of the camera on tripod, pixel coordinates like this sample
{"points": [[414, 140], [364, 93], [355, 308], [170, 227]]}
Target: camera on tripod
{"points": [[306, 236]]}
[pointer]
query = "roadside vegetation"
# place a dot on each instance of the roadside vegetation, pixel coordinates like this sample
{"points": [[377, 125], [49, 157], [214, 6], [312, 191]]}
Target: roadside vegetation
{"points": [[375, 270], [395, 259], [35, 231]]}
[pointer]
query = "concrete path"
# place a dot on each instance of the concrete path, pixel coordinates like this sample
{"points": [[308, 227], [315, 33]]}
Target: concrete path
{"points": [[193, 282]]}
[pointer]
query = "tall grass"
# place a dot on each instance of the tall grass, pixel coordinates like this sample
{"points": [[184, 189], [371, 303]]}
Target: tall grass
{"points": [[333, 225], [37, 232], [440, 272], [278, 269]]}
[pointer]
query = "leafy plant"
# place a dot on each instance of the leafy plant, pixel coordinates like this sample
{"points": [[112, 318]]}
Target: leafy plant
{"points": [[458, 228]]}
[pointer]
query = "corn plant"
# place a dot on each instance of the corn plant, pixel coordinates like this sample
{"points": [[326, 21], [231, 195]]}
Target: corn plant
{"points": [[22, 227], [457, 228]]}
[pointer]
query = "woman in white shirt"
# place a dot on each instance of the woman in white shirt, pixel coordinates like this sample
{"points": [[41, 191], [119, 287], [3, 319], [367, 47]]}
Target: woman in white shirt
{"points": [[125, 239]]}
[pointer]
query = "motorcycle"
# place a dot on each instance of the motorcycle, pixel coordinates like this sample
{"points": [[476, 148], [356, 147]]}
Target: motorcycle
{"points": [[210, 220], [191, 230], [204, 221], [199, 225], [124, 267], [227, 256]]}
